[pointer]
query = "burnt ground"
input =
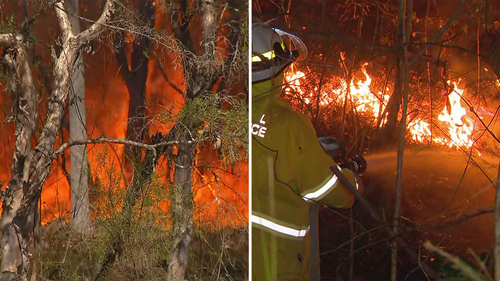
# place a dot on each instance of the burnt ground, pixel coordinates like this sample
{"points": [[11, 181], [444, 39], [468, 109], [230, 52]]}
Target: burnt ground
{"points": [[439, 187]]}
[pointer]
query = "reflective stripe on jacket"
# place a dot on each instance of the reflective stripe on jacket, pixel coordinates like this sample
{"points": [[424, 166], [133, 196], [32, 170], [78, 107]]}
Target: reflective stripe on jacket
{"points": [[289, 171]]}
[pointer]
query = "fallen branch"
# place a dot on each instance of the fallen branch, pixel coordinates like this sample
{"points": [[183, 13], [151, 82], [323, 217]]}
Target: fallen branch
{"points": [[458, 264]]}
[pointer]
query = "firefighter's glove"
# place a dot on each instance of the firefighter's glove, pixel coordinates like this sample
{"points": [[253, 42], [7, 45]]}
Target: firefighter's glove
{"points": [[333, 148], [358, 164]]}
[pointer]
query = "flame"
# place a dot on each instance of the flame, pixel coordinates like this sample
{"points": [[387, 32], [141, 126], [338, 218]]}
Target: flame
{"points": [[365, 99], [458, 128], [362, 96], [419, 130], [107, 109]]}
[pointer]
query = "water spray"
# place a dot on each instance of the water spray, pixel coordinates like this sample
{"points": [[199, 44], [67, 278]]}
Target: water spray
{"points": [[337, 151]]}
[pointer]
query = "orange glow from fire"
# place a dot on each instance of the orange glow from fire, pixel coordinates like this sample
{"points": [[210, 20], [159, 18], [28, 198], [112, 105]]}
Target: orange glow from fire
{"points": [[453, 119], [362, 96], [107, 109], [107, 105]]}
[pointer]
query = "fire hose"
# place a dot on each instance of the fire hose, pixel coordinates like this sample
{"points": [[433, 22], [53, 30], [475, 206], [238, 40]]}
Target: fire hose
{"points": [[336, 150]]}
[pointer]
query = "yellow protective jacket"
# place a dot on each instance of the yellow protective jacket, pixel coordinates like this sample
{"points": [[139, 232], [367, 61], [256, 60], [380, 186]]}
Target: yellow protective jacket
{"points": [[289, 172]]}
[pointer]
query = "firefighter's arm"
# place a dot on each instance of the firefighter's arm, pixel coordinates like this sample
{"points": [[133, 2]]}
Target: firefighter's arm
{"points": [[341, 190], [317, 181]]}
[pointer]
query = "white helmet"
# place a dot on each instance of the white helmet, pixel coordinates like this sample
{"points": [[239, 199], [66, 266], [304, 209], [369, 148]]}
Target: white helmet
{"points": [[270, 55]]}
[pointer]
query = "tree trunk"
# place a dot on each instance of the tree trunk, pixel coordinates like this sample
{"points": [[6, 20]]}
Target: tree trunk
{"points": [[80, 204], [199, 81], [404, 66], [20, 215], [496, 252], [135, 73], [182, 212], [32, 166], [15, 236], [196, 84], [389, 132]]}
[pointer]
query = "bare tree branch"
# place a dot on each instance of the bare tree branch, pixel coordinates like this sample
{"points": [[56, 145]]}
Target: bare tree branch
{"points": [[465, 268], [9, 39], [67, 145], [455, 222], [63, 19], [438, 34], [165, 76], [98, 27]]}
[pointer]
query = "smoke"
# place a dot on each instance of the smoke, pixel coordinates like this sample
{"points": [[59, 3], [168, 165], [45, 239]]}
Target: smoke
{"points": [[465, 37]]}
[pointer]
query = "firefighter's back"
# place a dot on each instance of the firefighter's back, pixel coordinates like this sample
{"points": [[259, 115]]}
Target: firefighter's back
{"points": [[280, 232]]}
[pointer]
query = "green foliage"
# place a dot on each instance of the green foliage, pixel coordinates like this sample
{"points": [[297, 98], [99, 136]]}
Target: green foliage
{"points": [[216, 253], [220, 255], [244, 29], [221, 120]]}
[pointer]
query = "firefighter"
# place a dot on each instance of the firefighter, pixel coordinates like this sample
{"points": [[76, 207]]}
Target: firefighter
{"points": [[290, 170]]}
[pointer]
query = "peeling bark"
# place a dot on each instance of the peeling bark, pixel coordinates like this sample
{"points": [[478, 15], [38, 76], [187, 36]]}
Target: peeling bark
{"points": [[32, 166], [182, 212], [15, 236]]}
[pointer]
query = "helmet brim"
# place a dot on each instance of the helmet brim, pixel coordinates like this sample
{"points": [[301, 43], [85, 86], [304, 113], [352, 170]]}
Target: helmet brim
{"points": [[298, 45]]}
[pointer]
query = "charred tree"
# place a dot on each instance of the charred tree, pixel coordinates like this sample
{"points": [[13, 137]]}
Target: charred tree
{"points": [[135, 74], [32, 164], [80, 204], [389, 132]]}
